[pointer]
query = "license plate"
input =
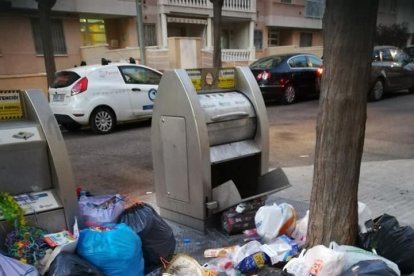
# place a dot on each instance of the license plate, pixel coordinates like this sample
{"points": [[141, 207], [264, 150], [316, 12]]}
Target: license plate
{"points": [[58, 97]]}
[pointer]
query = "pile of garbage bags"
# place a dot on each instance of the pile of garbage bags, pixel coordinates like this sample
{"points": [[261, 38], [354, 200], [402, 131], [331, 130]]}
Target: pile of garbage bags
{"points": [[134, 241], [112, 240]]}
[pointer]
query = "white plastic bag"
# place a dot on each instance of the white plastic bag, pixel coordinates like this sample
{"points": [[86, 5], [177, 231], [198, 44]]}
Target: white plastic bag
{"points": [[274, 220], [353, 255], [364, 214], [12, 267], [97, 210], [301, 230], [317, 261]]}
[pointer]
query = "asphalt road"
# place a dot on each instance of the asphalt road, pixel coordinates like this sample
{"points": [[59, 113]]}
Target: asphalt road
{"points": [[122, 162]]}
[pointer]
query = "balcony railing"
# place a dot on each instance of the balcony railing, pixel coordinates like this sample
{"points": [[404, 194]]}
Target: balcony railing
{"points": [[229, 5], [236, 54]]}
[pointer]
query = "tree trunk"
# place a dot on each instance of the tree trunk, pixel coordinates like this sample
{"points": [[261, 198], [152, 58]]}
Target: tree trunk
{"points": [[217, 7], [348, 27], [45, 7]]}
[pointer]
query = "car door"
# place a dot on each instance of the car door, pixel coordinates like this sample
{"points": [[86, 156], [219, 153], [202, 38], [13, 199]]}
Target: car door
{"points": [[390, 67], [315, 67], [301, 75], [405, 69], [141, 84]]}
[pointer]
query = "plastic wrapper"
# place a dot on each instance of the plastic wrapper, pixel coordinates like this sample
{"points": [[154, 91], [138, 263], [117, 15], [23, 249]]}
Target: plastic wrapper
{"points": [[391, 241], [114, 248], [281, 250], [253, 262], [68, 264], [156, 235]]}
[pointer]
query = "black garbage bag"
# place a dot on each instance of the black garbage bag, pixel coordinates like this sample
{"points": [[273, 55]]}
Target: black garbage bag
{"points": [[68, 264], [369, 268], [391, 241], [156, 235]]}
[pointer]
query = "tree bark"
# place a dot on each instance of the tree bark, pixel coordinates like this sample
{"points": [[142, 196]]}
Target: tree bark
{"points": [[45, 6], [349, 27], [217, 8]]}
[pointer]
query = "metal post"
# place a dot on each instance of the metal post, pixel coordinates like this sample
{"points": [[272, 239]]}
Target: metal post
{"points": [[140, 31]]}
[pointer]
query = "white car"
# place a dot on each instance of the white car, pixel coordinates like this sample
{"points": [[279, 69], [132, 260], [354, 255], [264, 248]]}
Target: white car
{"points": [[103, 95]]}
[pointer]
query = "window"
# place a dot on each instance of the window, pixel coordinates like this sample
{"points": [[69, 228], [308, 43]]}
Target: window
{"points": [[258, 39], [92, 31], [150, 36], [286, 1], [137, 75], [273, 38], [314, 62], [315, 8], [305, 40], [298, 62], [58, 37]]}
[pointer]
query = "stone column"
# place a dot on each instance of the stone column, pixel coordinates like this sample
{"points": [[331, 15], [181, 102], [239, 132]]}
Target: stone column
{"points": [[209, 33], [164, 34]]}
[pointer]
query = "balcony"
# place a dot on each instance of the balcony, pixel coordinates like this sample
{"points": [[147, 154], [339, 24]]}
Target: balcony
{"points": [[230, 7]]}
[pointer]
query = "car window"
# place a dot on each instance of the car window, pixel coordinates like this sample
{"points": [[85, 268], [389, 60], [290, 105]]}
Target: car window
{"points": [[402, 57], [385, 55], [267, 62], [314, 62], [64, 79], [139, 75], [298, 62]]}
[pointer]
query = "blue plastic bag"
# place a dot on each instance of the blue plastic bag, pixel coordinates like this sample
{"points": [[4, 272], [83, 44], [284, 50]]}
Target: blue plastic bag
{"points": [[114, 248]]}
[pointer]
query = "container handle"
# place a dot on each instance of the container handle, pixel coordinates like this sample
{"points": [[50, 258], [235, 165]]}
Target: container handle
{"points": [[230, 116]]}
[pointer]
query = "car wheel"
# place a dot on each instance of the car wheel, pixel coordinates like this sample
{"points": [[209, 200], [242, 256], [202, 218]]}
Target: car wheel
{"points": [[71, 126], [102, 120], [289, 95], [377, 91]]}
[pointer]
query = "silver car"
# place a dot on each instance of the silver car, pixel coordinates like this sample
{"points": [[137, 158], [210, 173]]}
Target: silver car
{"points": [[392, 70]]}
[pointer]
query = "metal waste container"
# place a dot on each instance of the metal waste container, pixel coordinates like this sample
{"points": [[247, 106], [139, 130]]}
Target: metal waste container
{"points": [[34, 163], [210, 144]]}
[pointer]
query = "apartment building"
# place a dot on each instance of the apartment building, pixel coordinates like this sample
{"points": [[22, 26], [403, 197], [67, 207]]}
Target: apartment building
{"points": [[177, 33]]}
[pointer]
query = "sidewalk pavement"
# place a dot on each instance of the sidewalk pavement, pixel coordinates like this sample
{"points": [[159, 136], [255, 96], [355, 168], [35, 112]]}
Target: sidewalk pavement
{"points": [[384, 186]]}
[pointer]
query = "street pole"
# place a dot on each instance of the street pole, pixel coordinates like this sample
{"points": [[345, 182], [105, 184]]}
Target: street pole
{"points": [[140, 31]]}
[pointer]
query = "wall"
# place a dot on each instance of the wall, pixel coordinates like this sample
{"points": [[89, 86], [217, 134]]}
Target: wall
{"points": [[184, 52], [316, 50], [20, 66]]}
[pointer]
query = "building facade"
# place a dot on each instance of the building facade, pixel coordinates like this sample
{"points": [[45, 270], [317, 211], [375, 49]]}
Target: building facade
{"points": [[177, 33]]}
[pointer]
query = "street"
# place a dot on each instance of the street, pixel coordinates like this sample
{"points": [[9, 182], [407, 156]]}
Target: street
{"points": [[122, 162]]}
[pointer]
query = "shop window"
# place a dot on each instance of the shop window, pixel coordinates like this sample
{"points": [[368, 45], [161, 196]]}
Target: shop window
{"points": [[92, 31], [305, 40], [273, 38], [150, 35], [58, 37], [258, 39]]}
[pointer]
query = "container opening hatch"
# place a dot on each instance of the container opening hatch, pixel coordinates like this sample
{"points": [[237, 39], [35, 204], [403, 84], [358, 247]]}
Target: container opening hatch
{"points": [[210, 144]]}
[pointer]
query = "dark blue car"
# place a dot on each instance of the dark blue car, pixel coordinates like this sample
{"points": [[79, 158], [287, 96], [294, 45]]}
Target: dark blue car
{"points": [[288, 77]]}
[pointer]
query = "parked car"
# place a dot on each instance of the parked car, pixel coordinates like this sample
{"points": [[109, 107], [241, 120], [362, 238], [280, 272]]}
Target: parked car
{"points": [[392, 70], [409, 50], [288, 77], [103, 95]]}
